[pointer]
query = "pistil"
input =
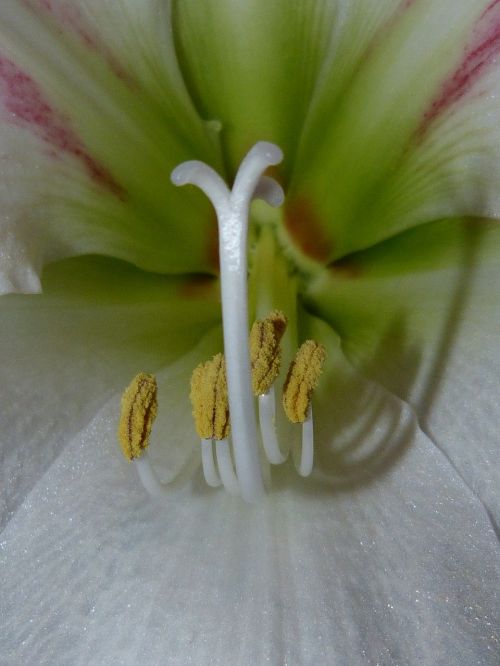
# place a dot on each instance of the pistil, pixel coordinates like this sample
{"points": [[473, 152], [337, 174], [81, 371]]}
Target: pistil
{"points": [[232, 209]]}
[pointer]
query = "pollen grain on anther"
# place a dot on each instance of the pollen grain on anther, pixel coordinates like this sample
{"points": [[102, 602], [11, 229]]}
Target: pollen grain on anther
{"points": [[265, 350], [139, 407], [302, 378], [209, 399]]}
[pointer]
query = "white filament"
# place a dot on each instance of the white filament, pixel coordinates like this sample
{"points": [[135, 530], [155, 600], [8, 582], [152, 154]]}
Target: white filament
{"points": [[267, 417], [207, 460], [232, 209], [152, 483], [305, 464], [225, 464]]}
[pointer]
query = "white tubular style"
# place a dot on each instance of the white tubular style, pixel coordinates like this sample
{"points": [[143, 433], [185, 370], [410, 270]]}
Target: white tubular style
{"points": [[207, 460], [232, 209], [152, 483], [267, 416], [225, 464], [304, 468]]}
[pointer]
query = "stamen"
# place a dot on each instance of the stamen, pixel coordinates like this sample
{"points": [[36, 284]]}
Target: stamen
{"points": [[209, 399], [210, 410], [232, 209], [265, 355], [265, 351], [138, 412], [303, 377]]}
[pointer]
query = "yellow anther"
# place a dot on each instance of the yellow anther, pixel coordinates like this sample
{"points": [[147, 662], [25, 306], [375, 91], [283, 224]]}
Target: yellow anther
{"points": [[139, 409], [209, 399], [303, 377], [265, 351]]}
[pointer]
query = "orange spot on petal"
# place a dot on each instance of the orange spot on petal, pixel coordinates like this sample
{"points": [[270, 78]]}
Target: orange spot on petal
{"points": [[346, 267], [198, 287], [306, 230]]}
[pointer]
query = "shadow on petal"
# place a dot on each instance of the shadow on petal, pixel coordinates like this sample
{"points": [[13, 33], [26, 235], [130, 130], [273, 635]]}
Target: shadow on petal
{"points": [[362, 426], [361, 429]]}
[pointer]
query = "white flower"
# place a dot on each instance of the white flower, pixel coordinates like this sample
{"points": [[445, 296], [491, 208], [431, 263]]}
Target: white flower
{"points": [[387, 113]]}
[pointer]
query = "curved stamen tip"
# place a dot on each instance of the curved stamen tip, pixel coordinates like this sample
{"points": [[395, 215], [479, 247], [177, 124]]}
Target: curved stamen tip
{"points": [[269, 151]]}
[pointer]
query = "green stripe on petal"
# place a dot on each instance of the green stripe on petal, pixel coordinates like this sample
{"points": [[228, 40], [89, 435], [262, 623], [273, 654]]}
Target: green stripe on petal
{"points": [[253, 66], [102, 98], [403, 129], [420, 314], [399, 305]]}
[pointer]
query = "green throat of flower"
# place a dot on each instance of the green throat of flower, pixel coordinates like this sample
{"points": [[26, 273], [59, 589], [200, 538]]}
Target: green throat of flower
{"points": [[225, 388]]}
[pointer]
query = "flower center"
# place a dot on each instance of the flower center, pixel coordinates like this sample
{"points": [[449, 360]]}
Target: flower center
{"points": [[223, 389]]}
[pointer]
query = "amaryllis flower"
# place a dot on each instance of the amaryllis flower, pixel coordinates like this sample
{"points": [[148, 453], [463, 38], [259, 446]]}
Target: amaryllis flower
{"points": [[385, 254]]}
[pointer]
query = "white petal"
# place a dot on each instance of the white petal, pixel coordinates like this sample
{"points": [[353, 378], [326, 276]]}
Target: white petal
{"points": [[396, 568], [404, 127], [64, 352], [93, 117], [420, 313]]}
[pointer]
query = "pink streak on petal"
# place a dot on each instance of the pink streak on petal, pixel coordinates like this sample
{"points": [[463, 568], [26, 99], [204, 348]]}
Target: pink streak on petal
{"points": [[24, 101], [70, 18], [406, 4], [478, 56]]}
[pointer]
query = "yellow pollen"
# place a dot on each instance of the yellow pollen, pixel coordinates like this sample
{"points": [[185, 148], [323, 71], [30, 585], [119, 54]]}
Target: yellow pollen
{"points": [[265, 350], [303, 377], [209, 399], [139, 409]]}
